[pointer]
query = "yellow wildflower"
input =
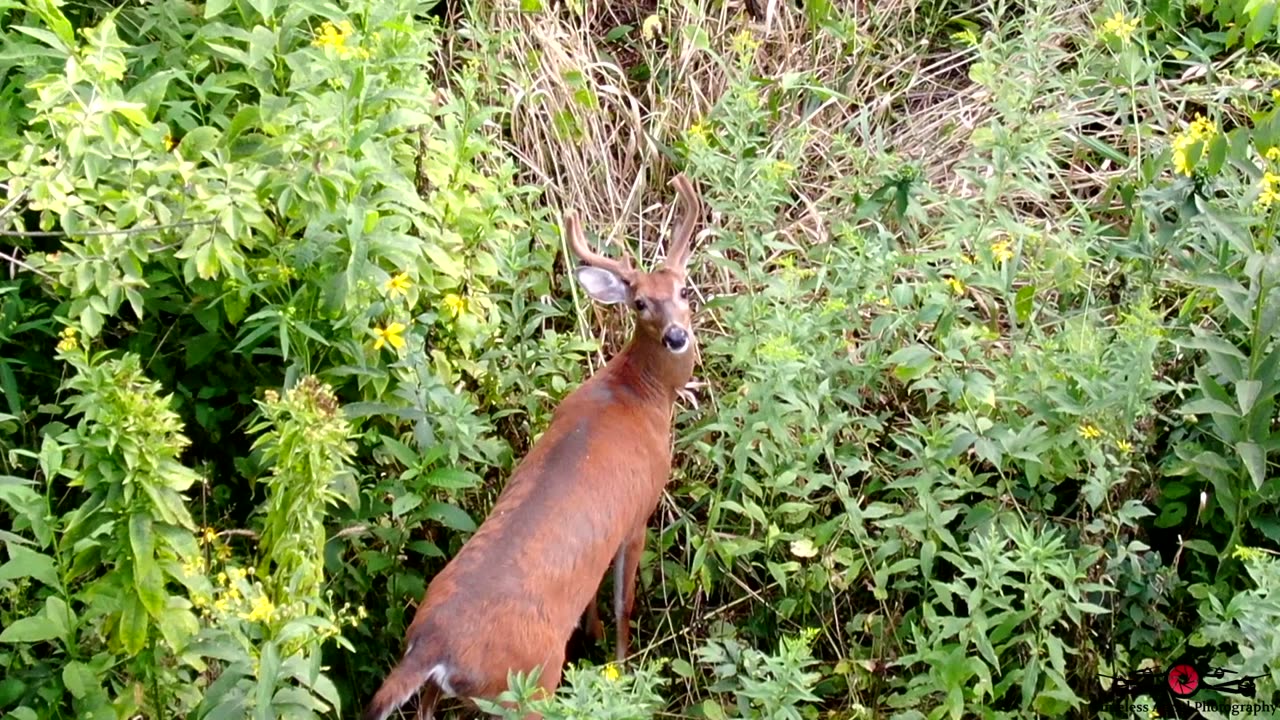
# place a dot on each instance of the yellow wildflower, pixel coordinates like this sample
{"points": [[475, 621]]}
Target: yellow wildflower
{"points": [[610, 672], [1119, 27], [651, 26], [193, 566], [262, 610], [222, 578], [1268, 190], [1001, 251], [1201, 130], [68, 341], [957, 285], [1124, 446], [209, 536], [169, 142], [1090, 432], [1274, 154], [399, 284], [744, 45], [335, 37], [456, 304], [884, 301], [392, 335]]}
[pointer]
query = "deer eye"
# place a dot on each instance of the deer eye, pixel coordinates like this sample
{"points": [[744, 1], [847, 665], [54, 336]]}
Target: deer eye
{"points": [[641, 304], [684, 293]]}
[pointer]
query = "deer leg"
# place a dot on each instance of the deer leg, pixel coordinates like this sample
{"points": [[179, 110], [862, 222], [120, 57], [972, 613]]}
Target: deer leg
{"points": [[625, 566], [591, 622]]}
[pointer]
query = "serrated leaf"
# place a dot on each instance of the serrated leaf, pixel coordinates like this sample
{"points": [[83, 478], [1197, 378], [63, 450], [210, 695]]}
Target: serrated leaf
{"points": [[451, 516], [405, 503], [401, 452], [50, 15], [449, 478]]}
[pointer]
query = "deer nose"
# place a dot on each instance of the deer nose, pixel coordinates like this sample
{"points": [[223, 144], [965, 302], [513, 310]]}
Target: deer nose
{"points": [[676, 339]]}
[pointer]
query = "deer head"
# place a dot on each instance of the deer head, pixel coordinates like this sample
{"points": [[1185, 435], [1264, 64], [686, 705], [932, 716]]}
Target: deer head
{"points": [[659, 299]]}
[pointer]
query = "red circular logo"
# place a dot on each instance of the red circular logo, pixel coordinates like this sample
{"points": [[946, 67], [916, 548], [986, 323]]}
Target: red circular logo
{"points": [[1184, 680]]}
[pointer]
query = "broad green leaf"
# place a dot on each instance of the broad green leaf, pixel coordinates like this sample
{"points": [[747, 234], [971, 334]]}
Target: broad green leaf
{"points": [[27, 563], [451, 516], [1205, 406], [452, 479], [1255, 461], [50, 15], [37, 628], [1247, 392], [134, 624], [912, 362], [214, 8], [1023, 303], [79, 678], [268, 675], [443, 261], [405, 503]]}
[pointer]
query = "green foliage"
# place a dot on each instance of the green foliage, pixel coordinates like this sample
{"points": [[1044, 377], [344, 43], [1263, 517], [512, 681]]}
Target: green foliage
{"points": [[990, 375]]}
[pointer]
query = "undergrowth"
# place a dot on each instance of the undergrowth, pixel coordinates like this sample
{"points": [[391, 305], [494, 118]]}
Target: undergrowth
{"points": [[988, 302]]}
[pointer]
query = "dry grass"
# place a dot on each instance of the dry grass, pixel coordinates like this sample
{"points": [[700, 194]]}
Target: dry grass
{"points": [[885, 91]]}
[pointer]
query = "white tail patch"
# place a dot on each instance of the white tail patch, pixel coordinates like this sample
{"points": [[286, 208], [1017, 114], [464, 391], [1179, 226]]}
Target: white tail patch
{"points": [[439, 674]]}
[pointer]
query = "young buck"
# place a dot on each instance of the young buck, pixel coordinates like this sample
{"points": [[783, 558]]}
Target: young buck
{"points": [[580, 499]]}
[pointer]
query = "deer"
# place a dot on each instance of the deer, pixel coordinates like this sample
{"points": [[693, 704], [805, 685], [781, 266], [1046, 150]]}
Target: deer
{"points": [[579, 501]]}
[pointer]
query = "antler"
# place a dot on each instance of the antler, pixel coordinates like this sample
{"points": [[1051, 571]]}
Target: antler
{"points": [[578, 243], [678, 253]]}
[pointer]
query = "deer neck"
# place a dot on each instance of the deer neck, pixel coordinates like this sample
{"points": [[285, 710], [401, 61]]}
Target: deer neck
{"points": [[652, 371]]}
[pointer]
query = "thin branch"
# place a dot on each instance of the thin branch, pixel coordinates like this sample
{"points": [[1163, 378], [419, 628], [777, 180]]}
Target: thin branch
{"points": [[97, 233], [9, 206], [15, 262]]}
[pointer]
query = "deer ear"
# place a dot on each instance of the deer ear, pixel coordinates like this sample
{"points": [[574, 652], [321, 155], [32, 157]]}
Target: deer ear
{"points": [[602, 285]]}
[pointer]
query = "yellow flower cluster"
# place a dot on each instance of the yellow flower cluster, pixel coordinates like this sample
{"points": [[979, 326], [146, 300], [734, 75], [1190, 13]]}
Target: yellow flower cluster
{"points": [[1090, 432], [335, 37], [1119, 27], [68, 341], [399, 284], [1002, 251], [455, 304], [1201, 130], [1269, 191], [392, 334]]}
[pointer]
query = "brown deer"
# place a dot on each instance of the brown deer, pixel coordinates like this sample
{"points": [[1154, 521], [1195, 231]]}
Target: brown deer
{"points": [[580, 499]]}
